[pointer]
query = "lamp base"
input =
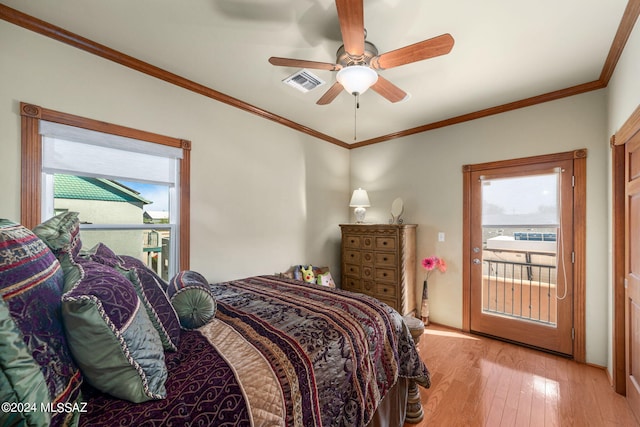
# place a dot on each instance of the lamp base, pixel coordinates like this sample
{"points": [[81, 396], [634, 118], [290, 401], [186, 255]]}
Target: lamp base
{"points": [[359, 213]]}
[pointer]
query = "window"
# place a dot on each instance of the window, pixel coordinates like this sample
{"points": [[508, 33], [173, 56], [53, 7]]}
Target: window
{"points": [[130, 187]]}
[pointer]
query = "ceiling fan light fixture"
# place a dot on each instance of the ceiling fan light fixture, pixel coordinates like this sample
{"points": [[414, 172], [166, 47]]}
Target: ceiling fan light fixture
{"points": [[356, 79]]}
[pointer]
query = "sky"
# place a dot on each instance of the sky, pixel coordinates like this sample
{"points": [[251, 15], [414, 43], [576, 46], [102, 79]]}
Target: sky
{"points": [[521, 195], [158, 194]]}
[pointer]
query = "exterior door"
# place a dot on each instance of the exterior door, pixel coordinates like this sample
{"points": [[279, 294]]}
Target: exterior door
{"points": [[521, 255], [632, 269]]}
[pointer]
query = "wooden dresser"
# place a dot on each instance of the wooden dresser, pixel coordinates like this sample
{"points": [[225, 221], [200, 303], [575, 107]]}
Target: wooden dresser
{"points": [[380, 260]]}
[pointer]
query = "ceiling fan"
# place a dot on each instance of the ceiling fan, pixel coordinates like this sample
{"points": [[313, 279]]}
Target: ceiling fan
{"points": [[357, 59]]}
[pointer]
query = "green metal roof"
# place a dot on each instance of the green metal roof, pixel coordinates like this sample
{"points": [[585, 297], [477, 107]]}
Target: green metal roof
{"points": [[84, 188]]}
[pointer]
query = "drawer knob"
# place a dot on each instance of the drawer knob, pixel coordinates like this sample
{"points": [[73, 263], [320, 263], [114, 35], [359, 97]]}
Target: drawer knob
{"points": [[385, 258]]}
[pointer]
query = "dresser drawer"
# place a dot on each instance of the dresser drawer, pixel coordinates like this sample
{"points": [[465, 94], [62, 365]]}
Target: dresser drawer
{"points": [[386, 243], [385, 259], [385, 275], [386, 291], [367, 258], [366, 273], [367, 242], [351, 241], [352, 257], [369, 287], [352, 270], [352, 284]]}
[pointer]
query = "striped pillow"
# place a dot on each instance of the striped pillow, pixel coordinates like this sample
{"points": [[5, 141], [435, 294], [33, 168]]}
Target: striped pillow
{"points": [[31, 287]]}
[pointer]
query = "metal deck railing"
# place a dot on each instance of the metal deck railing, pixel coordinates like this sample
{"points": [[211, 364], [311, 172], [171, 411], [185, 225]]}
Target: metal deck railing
{"points": [[521, 290]]}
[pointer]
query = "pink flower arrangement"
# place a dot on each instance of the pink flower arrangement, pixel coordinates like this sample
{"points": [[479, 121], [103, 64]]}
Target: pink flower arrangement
{"points": [[433, 263]]}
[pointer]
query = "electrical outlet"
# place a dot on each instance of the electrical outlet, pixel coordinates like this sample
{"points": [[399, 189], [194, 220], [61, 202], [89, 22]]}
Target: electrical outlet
{"points": [[441, 236]]}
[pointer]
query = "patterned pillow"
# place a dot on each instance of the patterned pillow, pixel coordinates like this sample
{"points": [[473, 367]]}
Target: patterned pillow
{"points": [[192, 298], [61, 233], [110, 335], [132, 262], [31, 286], [151, 290]]}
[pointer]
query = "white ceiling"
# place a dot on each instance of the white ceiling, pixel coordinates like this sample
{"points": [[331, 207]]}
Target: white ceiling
{"points": [[505, 50]]}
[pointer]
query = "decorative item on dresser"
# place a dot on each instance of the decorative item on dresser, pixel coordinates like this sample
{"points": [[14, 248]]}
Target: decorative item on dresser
{"points": [[359, 201], [379, 260], [397, 208]]}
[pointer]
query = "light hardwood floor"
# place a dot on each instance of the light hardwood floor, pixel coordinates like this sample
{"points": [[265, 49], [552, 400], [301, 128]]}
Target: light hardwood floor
{"points": [[478, 381]]}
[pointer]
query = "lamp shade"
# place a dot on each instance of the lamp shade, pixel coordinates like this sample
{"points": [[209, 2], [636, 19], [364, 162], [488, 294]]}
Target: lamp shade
{"points": [[356, 79], [359, 199]]}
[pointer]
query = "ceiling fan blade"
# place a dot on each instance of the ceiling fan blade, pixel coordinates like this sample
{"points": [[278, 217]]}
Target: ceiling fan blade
{"points": [[351, 17], [331, 94], [426, 49], [388, 90], [301, 63]]}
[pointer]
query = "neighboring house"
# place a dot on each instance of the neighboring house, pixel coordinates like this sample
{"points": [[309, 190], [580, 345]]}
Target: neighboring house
{"points": [[103, 201], [156, 217]]}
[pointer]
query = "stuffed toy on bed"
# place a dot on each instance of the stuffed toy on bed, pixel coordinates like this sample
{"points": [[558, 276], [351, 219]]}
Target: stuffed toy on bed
{"points": [[325, 279], [300, 272], [308, 276]]}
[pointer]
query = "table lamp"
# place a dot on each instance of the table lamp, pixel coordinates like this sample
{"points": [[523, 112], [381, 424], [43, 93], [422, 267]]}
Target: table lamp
{"points": [[359, 201]]}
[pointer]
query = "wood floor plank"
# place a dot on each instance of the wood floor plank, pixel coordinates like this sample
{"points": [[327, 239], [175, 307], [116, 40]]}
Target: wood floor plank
{"points": [[478, 381]]}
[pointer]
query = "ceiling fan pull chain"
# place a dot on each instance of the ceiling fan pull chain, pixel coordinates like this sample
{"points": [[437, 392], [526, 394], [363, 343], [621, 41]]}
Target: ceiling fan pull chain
{"points": [[356, 97]]}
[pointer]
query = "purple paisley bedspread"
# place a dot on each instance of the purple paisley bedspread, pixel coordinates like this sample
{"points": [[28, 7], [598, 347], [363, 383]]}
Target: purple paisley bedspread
{"points": [[322, 357], [201, 391]]}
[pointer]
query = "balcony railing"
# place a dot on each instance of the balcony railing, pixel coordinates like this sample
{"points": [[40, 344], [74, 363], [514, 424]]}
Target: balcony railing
{"points": [[521, 290]]}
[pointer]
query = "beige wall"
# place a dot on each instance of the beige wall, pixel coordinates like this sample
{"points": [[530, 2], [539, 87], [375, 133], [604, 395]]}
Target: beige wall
{"points": [[425, 170], [624, 87], [263, 197]]}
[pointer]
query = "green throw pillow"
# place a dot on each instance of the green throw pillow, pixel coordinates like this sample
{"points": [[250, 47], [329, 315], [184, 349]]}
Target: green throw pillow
{"points": [[192, 299], [21, 380]]}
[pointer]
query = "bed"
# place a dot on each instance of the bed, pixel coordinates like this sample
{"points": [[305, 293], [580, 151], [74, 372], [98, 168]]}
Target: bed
{"points": [[276, 352]]}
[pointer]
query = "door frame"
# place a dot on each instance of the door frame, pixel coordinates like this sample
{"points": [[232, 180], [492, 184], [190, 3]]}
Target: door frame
{"points": [[579, 158], [618, 141]]}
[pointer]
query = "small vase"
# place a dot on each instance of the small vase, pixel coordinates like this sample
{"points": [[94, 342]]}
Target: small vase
{"points": [[424, 308]]}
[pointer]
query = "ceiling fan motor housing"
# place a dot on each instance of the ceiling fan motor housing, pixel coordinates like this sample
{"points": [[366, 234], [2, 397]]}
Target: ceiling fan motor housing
{"points": [[345, 59]]}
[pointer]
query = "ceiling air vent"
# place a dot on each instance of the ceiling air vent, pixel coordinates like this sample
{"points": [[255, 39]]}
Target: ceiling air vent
{"points": [[304, 80]]}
